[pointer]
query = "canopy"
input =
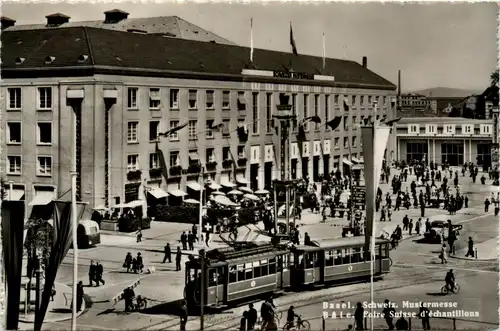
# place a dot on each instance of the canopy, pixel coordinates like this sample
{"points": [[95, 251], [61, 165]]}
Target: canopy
{"points": [[241, 180], [356, 160], [235, 192], [42, 198], [101, 207], [215, 186], [120, 205], [225, 201], [262, 192], [177, 193], [218, 193], [15, 194], [192, 201], [346, 161], [194, 186], [135, 203], [226, 183], [251, 197], [245, 189], [158, 193]]}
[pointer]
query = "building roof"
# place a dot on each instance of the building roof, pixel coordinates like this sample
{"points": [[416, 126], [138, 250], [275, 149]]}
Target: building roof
{"points": [[153, 55], [174, 26], [445, 92], [441, 120]]}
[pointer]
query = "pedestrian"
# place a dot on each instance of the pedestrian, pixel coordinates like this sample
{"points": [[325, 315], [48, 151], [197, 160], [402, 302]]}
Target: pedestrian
{"points": [[442, 255], [417, 226], [191, 240], [486, 205], [470, 250], [207, 238], [359, 314], [251, 317], [139, 262], [128, 261], [139, 235], [168, 253], [401, 324], [99, 271], [92, 273], [244, 321], [184, 241], [410, 227], [427, 225], [388, 313], [178, 256], [53, 292], [79, 296], [466, 202], [424, 314], [184, 315]]}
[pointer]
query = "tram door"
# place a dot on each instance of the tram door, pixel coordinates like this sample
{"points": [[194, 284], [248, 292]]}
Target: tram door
{"points": [[283, 271], [217, 286]]}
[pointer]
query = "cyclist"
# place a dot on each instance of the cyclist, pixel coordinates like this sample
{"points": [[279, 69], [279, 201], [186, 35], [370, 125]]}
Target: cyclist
{"points": [[267, 312], [450, 280], [290, 317]]}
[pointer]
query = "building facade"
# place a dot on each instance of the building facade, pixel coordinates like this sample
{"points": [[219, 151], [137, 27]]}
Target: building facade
{"points": [[445, 139], [106, 111]]}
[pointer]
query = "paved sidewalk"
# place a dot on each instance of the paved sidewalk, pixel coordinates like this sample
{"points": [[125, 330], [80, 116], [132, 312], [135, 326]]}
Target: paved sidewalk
{"points": [[59, 310], [486, 251]]}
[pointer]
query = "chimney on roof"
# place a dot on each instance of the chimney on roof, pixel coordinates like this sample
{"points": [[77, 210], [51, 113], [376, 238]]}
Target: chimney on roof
{"points": [[56, 19], [365, 62], [115, 16], [7, 22]]}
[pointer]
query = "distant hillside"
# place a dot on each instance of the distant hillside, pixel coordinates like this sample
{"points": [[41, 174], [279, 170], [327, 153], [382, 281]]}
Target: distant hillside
{"points": [[447, 92]]}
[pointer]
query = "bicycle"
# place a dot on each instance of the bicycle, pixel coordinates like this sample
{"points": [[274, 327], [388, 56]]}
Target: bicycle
{"points": [[445, 290], [299, 325], [140, 303]]}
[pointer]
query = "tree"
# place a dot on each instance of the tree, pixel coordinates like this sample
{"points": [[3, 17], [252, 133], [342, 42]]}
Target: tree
{"points": [[494, 78], [3, 192]]}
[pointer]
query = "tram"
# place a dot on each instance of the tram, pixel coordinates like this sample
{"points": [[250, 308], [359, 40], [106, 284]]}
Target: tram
{"points": [[236, 275]]}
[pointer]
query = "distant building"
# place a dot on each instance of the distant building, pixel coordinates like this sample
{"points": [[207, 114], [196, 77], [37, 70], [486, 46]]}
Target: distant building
{"points": [[419, 105]]}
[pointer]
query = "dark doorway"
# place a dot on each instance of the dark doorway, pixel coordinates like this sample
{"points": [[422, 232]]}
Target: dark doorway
{"points": [[326, 165], [268, 175], [254, 177], [293, 168], [305, 167]]}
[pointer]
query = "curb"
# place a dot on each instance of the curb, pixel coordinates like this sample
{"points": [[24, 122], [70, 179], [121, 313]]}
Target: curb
{"points": [[472, 259], [59, 319]]}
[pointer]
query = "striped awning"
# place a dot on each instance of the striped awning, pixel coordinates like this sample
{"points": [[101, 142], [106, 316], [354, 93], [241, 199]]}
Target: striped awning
{"points": [[177, 193], [194, 186], [346, 161], [42, 198]]}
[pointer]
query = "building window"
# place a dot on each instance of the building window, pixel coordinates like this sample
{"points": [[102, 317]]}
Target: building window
{"points": [[413, 128], [336, 100], [14, 133], [154, 98], [337, 143], [485, 129], [153, 161], [354, 99], [174, 158], [175, 135], [226, 127], [209, 155], [354, 141], [354, 120], [255, 113], [225, 153], [241, 152], [133, 132], [269, 112], [209, 133], [327, 110], [132, 162], [416, 151], [44, 166], [154, 130], [306, 111], [132, 97], [225, 99], [192, 102], [209, 102], [294, 110], [14, 102], [14, 165], [362, 100], [316, 110], [45, 98], [192, 129], [346, 118], [44, 133], [346, 142], [370, 100], [242, 104], [174, 99]]}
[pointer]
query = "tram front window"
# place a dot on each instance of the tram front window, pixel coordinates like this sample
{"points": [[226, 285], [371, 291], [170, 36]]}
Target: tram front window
{"points": [[299, 260]]}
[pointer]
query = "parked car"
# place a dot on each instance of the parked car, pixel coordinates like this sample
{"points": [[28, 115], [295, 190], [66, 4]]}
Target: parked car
{"points": [[437, 231]]}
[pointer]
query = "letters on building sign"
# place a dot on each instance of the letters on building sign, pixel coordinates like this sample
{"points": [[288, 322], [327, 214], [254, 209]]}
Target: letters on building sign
{"points": [[413, 128], [430, 128], [449, 129], [486, 129], [269, 153], [292, 75], [255, 155], [467, 129], [326, 147]]}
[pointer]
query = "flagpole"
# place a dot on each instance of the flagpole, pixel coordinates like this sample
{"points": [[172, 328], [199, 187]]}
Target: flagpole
{"points": [[251, 40], [74, 230], [324, 51]]}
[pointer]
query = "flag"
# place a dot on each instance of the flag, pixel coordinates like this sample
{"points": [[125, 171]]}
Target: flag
{"points": [[324, 51], [161, 162], [333, 124], [173, 130], [346, 106], [301, 137], [314, 119], [242, 134], [12, 245], [292, 41], [251, 40], [234, 163]]}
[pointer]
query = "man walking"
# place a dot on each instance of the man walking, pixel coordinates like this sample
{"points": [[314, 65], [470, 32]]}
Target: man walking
{"points": [[178, 256], [168, 253], [92, 273], [99, 272], [470, 251]]}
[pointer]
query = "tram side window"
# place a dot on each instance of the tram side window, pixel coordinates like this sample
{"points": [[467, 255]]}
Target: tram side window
{"points": [[232, 274], [385, 250], [346, 256], [291, 259], [272, 266], [329, 258], [338, 258], [248, 270], [282, 262], [300, 260], [311, 260], [256, 269], [215, 276], [361, 254], [264, 267], [241, 272], [355, 255]]}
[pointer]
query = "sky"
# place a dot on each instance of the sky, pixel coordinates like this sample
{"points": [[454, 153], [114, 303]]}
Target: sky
{"points": [[434, 45]]}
